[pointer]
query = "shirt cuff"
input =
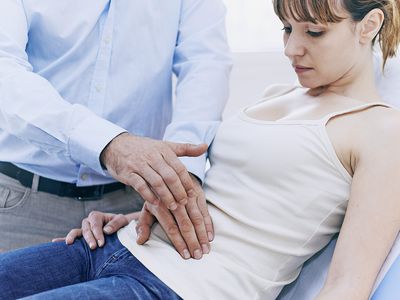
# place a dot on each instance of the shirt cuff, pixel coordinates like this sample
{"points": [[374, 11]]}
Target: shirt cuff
{"points": [[89, 138], [195, 165]]}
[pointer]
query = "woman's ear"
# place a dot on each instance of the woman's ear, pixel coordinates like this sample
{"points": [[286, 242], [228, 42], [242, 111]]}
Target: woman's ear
{"points": [[371, 25]]}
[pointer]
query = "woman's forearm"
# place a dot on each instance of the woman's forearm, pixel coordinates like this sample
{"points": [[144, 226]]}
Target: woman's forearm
{"points": [[343, 292]]}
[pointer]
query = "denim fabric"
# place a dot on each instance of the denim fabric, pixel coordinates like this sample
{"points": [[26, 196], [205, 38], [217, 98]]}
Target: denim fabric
{"points": [[58, 271]]}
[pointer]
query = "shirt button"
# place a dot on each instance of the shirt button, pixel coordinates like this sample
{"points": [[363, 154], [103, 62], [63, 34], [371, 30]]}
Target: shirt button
{"points": [[84, 177], [98, 88], [107, 40]]}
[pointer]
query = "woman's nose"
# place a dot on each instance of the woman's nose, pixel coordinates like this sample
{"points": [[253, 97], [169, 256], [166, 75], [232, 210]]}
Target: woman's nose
{"points": [[294, 46]]}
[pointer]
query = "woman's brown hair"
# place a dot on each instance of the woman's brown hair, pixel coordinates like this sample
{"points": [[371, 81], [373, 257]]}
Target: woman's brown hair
{"points": [[325, 11]]}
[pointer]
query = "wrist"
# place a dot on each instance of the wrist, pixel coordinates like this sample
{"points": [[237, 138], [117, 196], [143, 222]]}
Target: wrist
{"points": [[106, 153]]}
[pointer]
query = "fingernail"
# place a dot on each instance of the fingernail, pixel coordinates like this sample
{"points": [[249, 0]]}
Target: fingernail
{"points": [[100, 243], [172, 206], [107, 229], [205, 249], [210, 236], [197, 254], [91, 245], [186, 254]]}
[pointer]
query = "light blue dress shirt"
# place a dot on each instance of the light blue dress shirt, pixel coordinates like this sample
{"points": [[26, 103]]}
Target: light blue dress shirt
{"points": [[74, 74]]}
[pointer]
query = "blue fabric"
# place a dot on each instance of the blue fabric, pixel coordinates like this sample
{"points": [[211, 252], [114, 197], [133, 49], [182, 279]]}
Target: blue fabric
{"points": [[389, 288], [315, 271], [74, 74], [57, 271]]}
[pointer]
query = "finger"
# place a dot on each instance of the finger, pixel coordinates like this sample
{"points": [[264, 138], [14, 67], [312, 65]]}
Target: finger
{"points": [[143, 226], [170, 226], [73, 235], [134, 216], [197, 220], [55, 240], [96, 221], [182, 176], [116, 223], [88, 235], [187, 231], [185, 149], [202, 204], [141, 186], [158, 184]]}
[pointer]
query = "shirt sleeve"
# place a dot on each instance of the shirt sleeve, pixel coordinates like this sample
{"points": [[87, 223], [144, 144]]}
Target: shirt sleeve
{"points": [[32, 109], [202, 64]]}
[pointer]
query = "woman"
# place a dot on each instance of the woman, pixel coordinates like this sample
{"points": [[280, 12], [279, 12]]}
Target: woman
{"points": [[283, 173]]}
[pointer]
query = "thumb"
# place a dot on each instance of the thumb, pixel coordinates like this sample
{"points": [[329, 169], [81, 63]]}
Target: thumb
{"points": [[186, 149], [143, 227]]}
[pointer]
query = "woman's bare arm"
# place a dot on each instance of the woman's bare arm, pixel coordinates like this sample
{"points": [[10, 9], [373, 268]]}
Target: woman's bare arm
{"points": [[372, 220]]}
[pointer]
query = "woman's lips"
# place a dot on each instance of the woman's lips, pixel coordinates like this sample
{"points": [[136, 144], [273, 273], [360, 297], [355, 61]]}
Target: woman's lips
{"points": [[301, 69]]}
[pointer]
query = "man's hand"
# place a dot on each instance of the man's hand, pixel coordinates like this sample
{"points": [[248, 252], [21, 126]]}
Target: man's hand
{"points": [[92, 228], [189, 227], [152, 168]]}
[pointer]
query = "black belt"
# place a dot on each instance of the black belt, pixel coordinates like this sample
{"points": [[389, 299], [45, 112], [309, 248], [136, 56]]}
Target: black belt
{"points": [[59, 188]]}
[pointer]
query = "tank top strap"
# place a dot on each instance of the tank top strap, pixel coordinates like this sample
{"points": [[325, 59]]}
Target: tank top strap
{"points": [[358, 108]]}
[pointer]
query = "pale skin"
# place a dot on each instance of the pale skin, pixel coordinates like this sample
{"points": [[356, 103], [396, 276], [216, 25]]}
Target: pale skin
{"points": [[189, 227], [335, 69], [153, 169]]}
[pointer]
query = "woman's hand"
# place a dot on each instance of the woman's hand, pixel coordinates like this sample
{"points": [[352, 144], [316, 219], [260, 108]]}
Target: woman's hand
{"points": [[96, 225]]}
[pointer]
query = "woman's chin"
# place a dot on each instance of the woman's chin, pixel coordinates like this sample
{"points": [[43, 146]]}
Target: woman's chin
{"points": [[309, 83]]}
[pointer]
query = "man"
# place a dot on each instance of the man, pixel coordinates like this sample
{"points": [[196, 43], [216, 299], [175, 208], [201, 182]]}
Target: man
{"points": [[85, 92]]}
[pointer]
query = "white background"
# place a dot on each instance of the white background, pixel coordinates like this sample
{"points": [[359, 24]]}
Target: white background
{"points": [[253, 26]]}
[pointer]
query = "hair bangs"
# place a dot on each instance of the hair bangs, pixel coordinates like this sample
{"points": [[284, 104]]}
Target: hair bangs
{"points": [[314, 11]]}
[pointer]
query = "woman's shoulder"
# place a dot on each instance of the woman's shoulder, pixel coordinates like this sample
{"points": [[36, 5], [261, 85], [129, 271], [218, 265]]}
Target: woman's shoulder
{"points": [[384, 118], [380, 129]]}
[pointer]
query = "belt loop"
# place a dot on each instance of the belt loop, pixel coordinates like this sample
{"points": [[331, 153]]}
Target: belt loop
{"points": [[35, 183]]}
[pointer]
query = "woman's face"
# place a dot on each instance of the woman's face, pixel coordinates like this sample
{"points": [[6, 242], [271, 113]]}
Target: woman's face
{"points": [[321, 54]]}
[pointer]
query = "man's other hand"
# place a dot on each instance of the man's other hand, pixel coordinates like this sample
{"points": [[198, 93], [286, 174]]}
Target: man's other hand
{"points": [[189, 227]]}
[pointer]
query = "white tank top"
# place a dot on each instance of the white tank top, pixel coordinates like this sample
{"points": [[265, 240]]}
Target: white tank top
{"points": [[277, 194]]}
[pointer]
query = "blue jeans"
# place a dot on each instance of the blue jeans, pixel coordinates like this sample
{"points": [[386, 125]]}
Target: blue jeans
{"points": [[58, 271]]}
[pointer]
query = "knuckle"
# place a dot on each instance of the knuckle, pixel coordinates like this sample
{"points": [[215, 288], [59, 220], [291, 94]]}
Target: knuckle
{"points": [[172, 229], [93, 214], [87, 236], [170, 178], [85, 222], [157, 183], [197, 219], [180, 169], [119, 216], [141, 187], [186, 226]]}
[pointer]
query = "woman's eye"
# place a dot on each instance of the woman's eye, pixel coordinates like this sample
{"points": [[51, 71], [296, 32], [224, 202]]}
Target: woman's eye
{"points": [[287, 29], [315, 33]]}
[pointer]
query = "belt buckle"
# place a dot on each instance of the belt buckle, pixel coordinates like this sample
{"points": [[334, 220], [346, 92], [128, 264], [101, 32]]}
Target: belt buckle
{"points": [[96, 195]]}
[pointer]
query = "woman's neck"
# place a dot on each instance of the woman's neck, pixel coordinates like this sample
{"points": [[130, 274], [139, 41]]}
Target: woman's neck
{"points": [[358, 84]]}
